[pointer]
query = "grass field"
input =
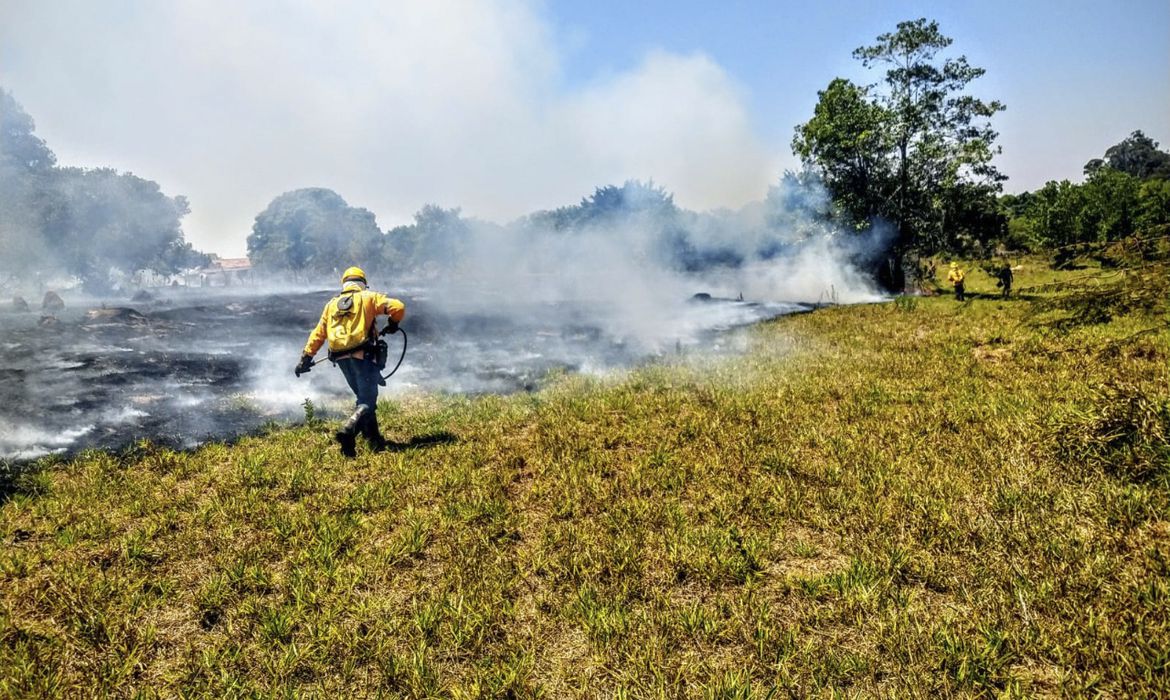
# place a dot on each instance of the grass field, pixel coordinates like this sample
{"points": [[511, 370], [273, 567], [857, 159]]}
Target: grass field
{"points": [[913, 498]]}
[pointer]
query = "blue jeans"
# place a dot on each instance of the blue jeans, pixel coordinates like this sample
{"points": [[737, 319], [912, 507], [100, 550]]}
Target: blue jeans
{"points": [[363, 377]]}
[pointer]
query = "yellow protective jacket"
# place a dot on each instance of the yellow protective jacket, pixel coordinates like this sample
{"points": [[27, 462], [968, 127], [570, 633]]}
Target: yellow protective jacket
{"points": [[365, 305], [955, 276]]}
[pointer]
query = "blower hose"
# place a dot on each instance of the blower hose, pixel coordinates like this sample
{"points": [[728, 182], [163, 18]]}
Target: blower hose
{"points": [[400, 357]]}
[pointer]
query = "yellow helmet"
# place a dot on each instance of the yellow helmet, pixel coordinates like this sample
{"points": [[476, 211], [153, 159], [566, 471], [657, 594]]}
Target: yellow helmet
{"points": [[353, 273]]}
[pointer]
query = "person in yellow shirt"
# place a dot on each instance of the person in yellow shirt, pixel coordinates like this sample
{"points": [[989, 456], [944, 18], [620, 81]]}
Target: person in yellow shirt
{"points": [[348, 324], [955, 277]]}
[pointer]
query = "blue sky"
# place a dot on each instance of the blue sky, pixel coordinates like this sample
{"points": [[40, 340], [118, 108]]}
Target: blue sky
{"points": [[503, 107], [1076, 76]]}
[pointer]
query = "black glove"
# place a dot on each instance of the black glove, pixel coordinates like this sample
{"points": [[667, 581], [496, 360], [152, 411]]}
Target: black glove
{"points": [[391, 327], [305, 365]]}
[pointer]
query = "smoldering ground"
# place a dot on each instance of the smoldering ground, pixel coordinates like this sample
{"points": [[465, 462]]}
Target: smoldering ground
{"points": [[197, 366]]}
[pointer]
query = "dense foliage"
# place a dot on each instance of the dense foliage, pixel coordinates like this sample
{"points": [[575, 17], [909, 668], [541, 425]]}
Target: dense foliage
{"points": [[96, 225], [665, 232], [915, 150], [1125, 193], [1137, 155], [437, 239], [313, 230]]}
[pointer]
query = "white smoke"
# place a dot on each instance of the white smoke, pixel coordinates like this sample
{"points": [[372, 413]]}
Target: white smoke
{"points": [[818, 274], [622, 274], [394, 104], [24, 441]]}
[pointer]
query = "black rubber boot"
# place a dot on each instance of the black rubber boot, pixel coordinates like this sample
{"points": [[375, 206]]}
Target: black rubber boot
{"points": [[371, 433], [346, 435], [347, 442]]}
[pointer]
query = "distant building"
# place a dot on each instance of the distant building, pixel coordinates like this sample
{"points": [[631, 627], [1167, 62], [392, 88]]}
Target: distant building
{"points": [[221, 272]]}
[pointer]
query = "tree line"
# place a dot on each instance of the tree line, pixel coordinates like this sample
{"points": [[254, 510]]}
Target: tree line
{"points": [[97, 225], [313, 232], [910, 156], [1125, 193], [915, 151]]}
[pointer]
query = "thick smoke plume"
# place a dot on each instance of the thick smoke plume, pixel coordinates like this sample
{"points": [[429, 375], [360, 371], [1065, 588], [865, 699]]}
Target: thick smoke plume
{"points": [[633, 263], [392, 103]]}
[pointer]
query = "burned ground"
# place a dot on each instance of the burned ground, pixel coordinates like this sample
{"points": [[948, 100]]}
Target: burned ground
{"points": [[183, 367]]}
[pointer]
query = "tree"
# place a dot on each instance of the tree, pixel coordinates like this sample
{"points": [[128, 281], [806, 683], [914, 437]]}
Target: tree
{"points": [[19, 146], [1153, 204], [313, 230], [632, 198], [1137, 155], [181, 255], [105, 220], [1110, 206], [25, 167], [847, 140], [80, 222], [914, 149], [1052, 214], [438, 238], [939, 134], [648, 220]]}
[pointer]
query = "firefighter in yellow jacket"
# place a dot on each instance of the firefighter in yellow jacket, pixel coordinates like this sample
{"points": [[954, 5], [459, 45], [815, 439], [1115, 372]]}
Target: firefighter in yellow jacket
{"points": [[348, 324], [955, 276]]}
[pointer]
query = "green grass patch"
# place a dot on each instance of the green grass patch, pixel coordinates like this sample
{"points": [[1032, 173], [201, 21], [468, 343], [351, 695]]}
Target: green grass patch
{"points": [[914, 498]]}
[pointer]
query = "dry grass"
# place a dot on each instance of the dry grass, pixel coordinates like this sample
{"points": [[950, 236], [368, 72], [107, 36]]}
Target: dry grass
{"points": [[905, 499]]}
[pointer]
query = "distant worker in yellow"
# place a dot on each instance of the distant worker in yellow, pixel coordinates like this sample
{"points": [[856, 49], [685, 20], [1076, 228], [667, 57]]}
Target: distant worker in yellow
{"points": [[955, 277], [349, 324]]}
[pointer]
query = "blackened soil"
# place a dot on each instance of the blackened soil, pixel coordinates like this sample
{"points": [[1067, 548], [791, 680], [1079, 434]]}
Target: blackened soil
{"points": [[187, 368]]}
